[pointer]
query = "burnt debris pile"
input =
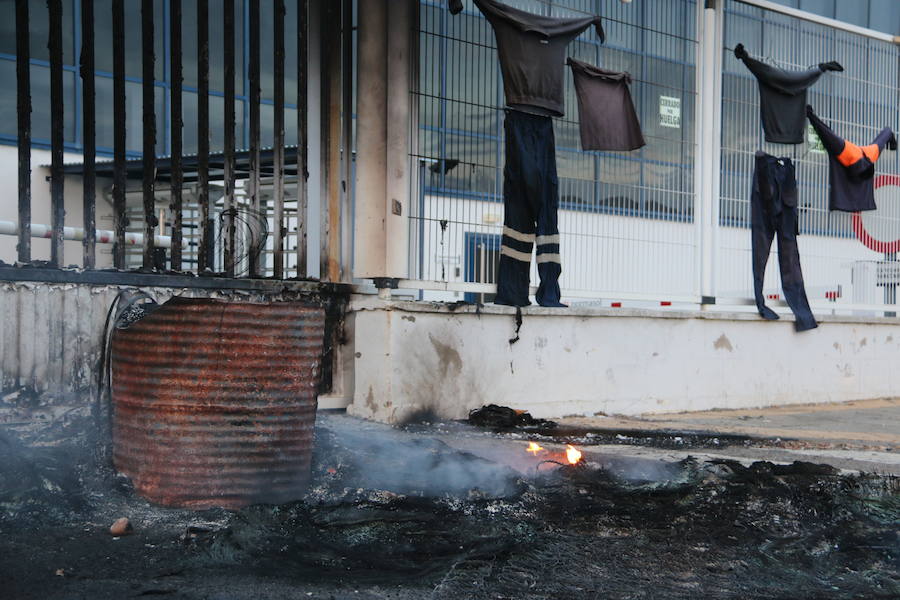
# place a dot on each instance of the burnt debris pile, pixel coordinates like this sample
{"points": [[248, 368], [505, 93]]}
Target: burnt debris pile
{"points": [[391, 510]]}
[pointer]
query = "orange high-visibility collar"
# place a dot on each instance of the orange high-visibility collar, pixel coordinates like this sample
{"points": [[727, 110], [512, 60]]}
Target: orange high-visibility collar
{"points": [[853, 153]]}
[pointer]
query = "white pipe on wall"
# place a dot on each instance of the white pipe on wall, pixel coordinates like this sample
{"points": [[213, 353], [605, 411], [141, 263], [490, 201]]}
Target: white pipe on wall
{"points": [[103, 236]]}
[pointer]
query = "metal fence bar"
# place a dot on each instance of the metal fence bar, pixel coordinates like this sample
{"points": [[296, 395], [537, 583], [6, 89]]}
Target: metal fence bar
{"points": [[176, 178], [278, 151], [119, 175], [57, 134], [148, 62], [302, 135], [23, 129], [90, 133], [254, 179], [204, 257], [229, 211], [814, 18]]}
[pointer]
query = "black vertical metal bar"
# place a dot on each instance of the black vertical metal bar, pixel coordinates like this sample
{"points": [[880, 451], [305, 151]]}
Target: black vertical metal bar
{"points": [[23, 116], [118, 9], [302, 135], [148, 61], [229, 136], [255, 200], [204, 259], [177, 124], [278, 153], [89, 129], [344, 231], [57, 198]]}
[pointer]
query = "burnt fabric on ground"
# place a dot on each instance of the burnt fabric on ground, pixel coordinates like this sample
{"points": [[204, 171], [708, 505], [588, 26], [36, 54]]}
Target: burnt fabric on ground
{"points": [[782, 96], [606, 116], [530, 207], [851, 168], [503, 417], [532, 50], [773, 207]]}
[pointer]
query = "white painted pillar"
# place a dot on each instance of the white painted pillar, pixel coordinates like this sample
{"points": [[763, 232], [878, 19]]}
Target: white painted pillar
{"points": [[398, 197], [369, 258], [708, 135]]}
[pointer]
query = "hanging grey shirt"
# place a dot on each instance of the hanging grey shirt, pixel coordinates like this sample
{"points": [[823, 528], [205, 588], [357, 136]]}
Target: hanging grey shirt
{"points": [[782, 97], [532, 51], [606, 116]]}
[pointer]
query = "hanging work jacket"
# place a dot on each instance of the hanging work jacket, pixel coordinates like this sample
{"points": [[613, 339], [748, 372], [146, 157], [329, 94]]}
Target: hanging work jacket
{"points": [[782, 96], [606, 116], [532, 51], [851, 168]]}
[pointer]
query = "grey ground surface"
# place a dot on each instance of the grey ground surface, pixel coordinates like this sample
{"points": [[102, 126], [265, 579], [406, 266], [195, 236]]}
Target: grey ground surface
{"points": [[707, 505], [863, 435]]}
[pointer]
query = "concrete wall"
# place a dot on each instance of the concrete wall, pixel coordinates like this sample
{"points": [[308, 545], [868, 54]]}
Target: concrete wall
{"points": [[414, 356], [51, 334]]}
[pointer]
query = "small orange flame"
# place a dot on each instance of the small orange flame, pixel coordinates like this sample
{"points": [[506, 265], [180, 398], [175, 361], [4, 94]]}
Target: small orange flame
{"points": [[573, 454], [533, 448]]}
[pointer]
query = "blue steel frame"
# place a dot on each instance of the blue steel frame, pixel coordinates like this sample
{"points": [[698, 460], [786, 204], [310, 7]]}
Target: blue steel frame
{"points": [[105, 151]]}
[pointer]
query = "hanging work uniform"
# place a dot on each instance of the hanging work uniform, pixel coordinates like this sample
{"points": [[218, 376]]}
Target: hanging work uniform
{"points": [[606, 116], [773, 206], [851, 168], [531, 200], [532, 51], [782, 97]]}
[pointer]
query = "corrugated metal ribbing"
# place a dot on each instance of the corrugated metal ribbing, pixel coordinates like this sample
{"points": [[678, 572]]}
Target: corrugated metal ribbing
{"points": [[214, 402]]}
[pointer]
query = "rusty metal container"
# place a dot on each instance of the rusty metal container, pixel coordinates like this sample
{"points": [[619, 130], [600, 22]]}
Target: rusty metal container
{"points": [[214, 403]]}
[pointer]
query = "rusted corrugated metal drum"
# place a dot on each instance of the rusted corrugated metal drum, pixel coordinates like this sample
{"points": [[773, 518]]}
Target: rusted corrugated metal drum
{"points": [[214, 402]]}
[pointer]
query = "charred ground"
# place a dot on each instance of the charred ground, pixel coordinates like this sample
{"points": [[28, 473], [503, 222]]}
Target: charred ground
{"points": [[392, 514]]}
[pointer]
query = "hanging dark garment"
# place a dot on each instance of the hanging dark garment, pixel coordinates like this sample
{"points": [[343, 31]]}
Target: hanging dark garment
{"points": [[606, 116], [532, 51], [782, 97], [773, 208], [851, 168], [530, 205]]}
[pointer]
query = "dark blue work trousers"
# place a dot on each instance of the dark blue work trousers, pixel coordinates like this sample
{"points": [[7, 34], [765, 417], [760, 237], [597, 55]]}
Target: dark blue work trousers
{"points": [[773, 206], [530, 205]]}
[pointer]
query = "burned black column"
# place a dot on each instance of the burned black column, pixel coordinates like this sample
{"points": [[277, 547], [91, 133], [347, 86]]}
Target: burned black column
{"points": [[90, 132], [205, 260], [57, 191], [118, 14], [177, 124], [23, 116], [149, 134]]}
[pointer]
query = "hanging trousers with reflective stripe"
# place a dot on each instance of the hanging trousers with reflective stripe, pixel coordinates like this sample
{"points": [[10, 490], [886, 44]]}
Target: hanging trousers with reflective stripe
{"points": [[773, 206], [530, 203]]}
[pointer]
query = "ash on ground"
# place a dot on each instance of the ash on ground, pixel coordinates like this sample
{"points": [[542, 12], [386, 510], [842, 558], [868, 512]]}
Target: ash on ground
{"points": [[398, 514]]}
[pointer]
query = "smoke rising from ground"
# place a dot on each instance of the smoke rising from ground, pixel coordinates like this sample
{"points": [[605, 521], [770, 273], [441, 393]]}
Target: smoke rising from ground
{"points": [[375, 456]]}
